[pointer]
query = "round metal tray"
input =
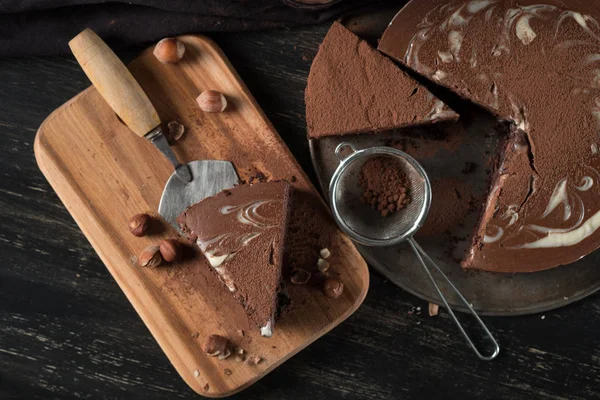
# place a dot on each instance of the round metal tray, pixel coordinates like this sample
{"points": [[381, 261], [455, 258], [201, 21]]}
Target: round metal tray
{"points": [[490, 293]]}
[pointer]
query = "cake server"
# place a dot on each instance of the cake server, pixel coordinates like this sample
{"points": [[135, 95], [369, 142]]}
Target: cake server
{"points": [[364, 226], [190, 182]]}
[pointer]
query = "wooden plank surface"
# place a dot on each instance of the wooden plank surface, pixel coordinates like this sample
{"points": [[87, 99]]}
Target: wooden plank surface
{"points": [[68, 332], [104, 174]]}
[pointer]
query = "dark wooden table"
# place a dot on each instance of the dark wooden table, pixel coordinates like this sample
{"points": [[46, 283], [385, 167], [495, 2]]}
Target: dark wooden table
{"points": [[67, 330]]}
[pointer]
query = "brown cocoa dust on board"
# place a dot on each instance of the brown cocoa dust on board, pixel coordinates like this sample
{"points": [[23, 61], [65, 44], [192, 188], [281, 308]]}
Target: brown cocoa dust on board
{"points": [[385, 185]]}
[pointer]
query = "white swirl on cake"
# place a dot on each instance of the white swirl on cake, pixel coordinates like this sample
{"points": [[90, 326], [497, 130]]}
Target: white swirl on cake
{"points": [[586, 184], [214, 248], [517, 27], [570, 238], [455, 39], [581, 19], [249, 213], [439, 110], [511, 214], [565, 236], [559, 196], [497, 236], [524, 31], [477, 5]]}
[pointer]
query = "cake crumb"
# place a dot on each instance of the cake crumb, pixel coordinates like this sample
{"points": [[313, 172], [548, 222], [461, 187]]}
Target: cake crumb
{"points": [[414, 311], [227, 371], [206, 387], [196, 373], [322, 265], [433, 309], [195, 335], [175, 131], [254, 360], [324, 253]]}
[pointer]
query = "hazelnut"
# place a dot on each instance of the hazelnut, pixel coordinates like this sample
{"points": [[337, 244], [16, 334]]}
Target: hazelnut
{"points": [[434, 309], [139, 224], [333, 288], [170, 249], [323, 265], [169, 50], [300, 276], [175, 130], [212, 101], [325, 253], [216, 345], [150, 257]]}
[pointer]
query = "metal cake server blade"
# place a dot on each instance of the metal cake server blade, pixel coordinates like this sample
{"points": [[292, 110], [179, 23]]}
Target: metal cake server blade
{"points": [[208, 179], [190, 182]]}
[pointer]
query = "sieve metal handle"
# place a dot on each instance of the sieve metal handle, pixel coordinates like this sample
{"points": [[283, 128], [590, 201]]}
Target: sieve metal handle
{"points": [[342, 146], [421, 254]]}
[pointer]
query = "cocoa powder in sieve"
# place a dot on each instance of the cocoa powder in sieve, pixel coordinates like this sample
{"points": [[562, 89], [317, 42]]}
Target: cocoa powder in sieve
{"points": [[385, 185]]}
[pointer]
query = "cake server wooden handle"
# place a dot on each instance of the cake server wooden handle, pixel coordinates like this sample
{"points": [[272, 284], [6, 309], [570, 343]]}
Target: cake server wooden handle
{"points": [[114, 82]]}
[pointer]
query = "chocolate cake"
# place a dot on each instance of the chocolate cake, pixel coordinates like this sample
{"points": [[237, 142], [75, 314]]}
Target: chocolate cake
{"points": [[535, 65], [241, 232], [352, 88]]}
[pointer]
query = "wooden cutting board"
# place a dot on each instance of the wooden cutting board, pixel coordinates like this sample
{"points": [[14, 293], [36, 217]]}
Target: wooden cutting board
{"points": [[104, 174]]}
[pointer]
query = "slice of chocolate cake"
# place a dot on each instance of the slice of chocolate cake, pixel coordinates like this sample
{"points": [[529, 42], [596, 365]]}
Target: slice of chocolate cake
{"points": [[242, 231], [537, 66], [352, 88]]}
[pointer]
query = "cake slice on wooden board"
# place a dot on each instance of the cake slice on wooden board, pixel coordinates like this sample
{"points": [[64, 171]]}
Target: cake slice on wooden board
{"points": [[242, 231], [535, 66], [352, 88]]}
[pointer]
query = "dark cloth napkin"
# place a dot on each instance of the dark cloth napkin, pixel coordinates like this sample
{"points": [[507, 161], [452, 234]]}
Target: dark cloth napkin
{"points": [[44, 27]]}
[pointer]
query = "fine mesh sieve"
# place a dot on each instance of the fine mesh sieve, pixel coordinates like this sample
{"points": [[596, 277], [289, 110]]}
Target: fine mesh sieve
{"points": [[368, 227], [359, 221]]}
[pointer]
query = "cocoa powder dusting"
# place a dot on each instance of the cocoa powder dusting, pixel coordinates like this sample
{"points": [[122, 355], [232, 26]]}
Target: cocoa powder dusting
{"points": [[450, 204], [385, 185], [352, 88]]}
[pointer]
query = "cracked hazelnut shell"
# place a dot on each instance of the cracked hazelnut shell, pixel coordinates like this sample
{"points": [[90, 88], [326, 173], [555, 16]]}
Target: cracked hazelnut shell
{"points": [[216, 345], [333, 288], [150, 257]]}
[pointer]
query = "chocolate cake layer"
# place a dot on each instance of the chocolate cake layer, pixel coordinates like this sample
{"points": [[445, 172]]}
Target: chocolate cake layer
{"points": [[241, 231], [352, 88], [536, 64]]}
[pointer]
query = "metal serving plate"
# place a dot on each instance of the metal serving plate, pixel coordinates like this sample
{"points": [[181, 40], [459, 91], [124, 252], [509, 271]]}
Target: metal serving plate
{"points": [[490, 293]]}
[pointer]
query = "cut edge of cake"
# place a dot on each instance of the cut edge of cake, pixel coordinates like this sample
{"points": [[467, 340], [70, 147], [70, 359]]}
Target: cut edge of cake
{"points": [[265, 314]]}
